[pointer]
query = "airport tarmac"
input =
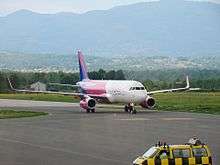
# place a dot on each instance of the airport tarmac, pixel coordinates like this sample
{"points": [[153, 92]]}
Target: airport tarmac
{"points": [[70, 136]]}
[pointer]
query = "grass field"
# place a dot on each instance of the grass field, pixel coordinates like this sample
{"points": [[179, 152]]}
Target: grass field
{"points": [[4, 114], [202, 102], [207, 102]]}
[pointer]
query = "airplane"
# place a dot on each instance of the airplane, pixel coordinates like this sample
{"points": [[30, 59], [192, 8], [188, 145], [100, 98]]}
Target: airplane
{"points": [[91, 92]]}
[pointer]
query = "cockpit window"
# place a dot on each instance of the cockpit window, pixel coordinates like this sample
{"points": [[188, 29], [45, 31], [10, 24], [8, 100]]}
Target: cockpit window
{"points": [[137, 88]]}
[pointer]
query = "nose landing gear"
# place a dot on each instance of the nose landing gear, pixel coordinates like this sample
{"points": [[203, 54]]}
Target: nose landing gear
{"points": [[90, 110], [130, 108]]}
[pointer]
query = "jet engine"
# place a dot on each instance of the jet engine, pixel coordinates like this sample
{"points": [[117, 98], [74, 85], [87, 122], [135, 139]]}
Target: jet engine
{"points": [[87, 103], [149, 102]]}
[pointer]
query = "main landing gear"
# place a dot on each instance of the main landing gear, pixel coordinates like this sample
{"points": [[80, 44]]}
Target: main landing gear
{"points": [[90, 110], [130, 108]]}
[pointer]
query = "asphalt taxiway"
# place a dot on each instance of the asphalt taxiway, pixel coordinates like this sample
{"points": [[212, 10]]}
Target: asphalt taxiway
{"points": [[110, 137]]}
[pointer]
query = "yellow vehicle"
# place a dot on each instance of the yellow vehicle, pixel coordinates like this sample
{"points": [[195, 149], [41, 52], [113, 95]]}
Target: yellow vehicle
{"points": [[192, 153]]}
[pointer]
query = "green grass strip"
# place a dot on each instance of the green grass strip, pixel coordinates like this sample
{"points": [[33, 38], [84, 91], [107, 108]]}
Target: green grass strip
{"points": [[199, 102], [5, 114]]}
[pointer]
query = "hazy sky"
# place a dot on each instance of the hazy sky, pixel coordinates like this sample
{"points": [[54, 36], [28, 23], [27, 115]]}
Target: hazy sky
{"points": [[53, 6]]}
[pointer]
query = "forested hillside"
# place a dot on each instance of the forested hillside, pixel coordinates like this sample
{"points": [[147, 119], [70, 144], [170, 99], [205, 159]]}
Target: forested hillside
{"points": [[153, 80]]}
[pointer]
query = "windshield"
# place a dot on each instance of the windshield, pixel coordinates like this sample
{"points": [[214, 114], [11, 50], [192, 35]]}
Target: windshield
{"points": [[137, 88], [150, 152]]}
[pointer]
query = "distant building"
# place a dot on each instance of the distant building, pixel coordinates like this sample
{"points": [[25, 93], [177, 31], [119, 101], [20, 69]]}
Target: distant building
{"points": [[38, 86]]}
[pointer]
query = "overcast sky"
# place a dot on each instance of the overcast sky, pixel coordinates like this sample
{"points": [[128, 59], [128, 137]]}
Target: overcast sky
{"points": [[53, 6]]}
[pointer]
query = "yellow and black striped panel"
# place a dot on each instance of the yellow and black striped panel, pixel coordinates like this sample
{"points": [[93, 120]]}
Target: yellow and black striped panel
{"points": [[203, 160], [180, 161]]}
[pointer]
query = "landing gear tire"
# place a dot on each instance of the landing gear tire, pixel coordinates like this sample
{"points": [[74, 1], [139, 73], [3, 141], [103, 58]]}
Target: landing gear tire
{"points": [[130, 108], [88, 111], [126, 108], [133, 111], [93, 110]]}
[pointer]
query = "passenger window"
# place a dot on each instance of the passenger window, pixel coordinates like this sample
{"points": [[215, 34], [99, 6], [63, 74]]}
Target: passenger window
{"points": [[181, 153], [200, 152], [137, 88]]}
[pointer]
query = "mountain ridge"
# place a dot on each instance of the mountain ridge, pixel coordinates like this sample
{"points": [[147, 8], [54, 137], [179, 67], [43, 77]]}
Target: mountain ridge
{"points": [[170, 28]]}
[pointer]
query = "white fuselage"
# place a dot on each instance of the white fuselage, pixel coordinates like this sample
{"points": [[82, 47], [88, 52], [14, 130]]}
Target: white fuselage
{"points": [[123, 91]]}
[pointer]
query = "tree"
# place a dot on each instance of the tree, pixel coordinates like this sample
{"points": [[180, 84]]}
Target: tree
{"points": [[102, 74], [3, 82], [119, 75], [110, 75]]}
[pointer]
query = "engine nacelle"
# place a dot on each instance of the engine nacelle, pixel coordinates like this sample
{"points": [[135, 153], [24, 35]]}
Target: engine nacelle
{"points": [[149, 102], [87, 103]]}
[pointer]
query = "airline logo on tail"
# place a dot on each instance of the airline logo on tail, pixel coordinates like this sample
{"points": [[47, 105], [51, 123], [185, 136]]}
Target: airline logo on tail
{"points": [[82, 67]]}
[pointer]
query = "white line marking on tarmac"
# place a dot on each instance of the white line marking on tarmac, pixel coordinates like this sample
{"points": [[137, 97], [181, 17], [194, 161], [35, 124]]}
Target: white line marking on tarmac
{"points": [[61, 150], [147, 119], [33, 103], [177, 119], [134, 119]]}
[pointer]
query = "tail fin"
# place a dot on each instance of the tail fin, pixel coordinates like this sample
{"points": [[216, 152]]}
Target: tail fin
{"points": [[82, 67]]}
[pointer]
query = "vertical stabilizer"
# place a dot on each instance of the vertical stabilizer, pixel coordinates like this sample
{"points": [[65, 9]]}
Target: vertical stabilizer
{"points": [[82, 67]]}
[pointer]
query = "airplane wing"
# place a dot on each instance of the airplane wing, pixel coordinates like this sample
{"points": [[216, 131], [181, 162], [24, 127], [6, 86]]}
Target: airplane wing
{"points": [[187, 88], [46, 92], [66, 85], [80, 95]]}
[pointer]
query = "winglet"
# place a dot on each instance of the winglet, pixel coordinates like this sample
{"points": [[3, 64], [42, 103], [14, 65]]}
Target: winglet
{"points": [[10, 84], [187, 82]]}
